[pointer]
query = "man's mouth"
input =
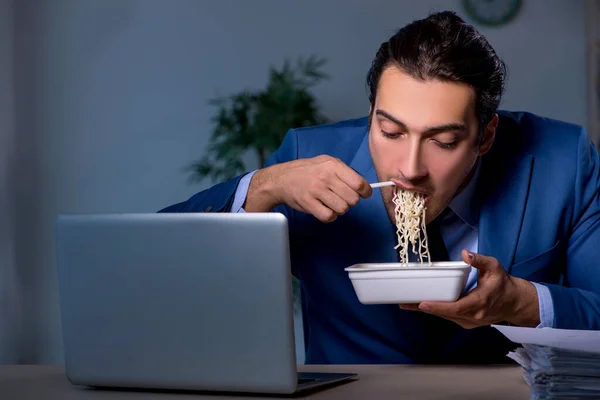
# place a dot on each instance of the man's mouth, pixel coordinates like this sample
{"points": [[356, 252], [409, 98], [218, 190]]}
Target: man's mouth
{"points": [[424, 192], [416, 190]]}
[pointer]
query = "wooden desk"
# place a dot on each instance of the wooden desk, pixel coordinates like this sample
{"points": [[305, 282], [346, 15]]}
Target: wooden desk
{"points": [[373, 383]]}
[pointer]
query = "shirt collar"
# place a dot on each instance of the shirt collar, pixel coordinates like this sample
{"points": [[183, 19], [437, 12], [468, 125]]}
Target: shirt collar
{"points": [[464, 204]]}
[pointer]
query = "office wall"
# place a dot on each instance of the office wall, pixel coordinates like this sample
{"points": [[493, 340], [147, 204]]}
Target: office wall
{"points": [[9, 291], [112, 98]]}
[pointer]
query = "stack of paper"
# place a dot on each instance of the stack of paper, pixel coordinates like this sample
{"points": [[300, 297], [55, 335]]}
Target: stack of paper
{"points": [[557, 363]]}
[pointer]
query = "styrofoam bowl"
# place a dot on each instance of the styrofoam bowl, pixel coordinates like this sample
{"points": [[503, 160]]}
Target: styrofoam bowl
{"points": [[398, 283]]}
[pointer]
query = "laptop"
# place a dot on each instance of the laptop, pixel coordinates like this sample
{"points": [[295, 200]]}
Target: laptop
{"points": [[191, 301]]}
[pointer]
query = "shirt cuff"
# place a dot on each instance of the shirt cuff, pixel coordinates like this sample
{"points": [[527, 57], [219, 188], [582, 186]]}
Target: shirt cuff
{"points": [[241, 193], [546, 306]]}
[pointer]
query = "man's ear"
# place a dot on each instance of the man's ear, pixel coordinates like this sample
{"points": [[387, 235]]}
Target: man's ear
{"points": [[488, 136]]}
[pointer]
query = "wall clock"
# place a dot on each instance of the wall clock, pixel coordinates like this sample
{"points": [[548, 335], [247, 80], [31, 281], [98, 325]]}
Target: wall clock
{"points": [[492, 12]]}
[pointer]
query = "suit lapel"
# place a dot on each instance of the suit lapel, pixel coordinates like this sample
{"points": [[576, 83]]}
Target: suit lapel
{"points": [[503, 189], [362, 161]]}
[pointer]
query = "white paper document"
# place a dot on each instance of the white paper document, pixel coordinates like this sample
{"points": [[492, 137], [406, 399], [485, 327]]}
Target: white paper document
{"points": [[568, 339]]}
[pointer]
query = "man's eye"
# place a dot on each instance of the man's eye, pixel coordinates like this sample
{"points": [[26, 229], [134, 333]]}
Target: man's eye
{"points": [[445, 145], [390, 134]]}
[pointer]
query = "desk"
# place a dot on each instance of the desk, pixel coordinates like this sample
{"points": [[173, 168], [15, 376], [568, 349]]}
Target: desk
{"points": [[374, 383]]}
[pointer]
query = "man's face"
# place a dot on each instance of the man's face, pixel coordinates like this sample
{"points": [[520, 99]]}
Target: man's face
{"points": [[423, 135]]}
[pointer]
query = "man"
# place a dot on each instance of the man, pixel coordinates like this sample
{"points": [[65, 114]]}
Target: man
{"points": [[513, 194]]}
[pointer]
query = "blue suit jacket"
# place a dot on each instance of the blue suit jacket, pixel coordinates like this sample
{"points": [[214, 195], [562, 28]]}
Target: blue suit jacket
{"points": [[540, 217]]}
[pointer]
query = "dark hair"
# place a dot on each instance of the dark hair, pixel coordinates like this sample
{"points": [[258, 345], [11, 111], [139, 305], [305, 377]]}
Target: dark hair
{"points": [[444, 47]]}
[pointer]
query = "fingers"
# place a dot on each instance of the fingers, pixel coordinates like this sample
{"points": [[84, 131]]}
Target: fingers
{"points": [[442, 309], [319, 210], [460, 308], [321, 202], [356, 182], [474, 309], [465, 307], [334, 202], [462, 321], [349, 176], [485, 304], [325, 187], [345, 192], [481, 262], [409, 306], [328, 204]]}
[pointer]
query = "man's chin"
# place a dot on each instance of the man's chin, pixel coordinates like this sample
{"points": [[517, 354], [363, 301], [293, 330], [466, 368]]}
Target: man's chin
{"points": [[434, 212]]}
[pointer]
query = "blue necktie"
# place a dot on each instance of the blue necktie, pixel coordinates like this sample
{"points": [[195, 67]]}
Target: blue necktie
{"points": [[433, 327]]}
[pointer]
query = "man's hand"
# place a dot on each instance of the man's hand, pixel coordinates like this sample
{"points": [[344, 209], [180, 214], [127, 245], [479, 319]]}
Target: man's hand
{"points": [[322, 186], [498, 297]]}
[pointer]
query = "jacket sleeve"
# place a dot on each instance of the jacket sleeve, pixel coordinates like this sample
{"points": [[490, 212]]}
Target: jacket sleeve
{"points": [[577, 300], [219, 198]]}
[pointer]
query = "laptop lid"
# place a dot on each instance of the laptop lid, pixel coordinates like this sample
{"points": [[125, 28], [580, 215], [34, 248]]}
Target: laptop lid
{"points": [[198, 301]]}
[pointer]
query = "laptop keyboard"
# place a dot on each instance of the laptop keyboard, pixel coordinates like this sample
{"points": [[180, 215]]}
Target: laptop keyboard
{"points": [[305, 380]]}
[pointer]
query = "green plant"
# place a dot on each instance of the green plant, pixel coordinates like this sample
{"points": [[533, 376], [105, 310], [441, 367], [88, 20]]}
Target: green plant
{"points": [[256, 121]]}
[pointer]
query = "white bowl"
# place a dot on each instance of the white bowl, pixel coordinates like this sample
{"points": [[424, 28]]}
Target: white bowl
{"points": [[396, 283]]}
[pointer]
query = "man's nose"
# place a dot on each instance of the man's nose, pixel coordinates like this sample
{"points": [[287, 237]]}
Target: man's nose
{"points": [[413, 166]]}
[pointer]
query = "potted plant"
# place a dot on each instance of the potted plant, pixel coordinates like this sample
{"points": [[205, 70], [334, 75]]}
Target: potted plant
{"points": [[256, 121]]}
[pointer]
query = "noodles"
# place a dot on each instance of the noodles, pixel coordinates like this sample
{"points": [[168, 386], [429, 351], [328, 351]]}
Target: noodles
{"points": [[410, 224]]}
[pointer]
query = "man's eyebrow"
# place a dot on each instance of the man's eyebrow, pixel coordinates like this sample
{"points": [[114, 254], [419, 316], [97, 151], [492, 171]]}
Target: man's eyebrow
{"points": [[386, 115], [453, 126]]}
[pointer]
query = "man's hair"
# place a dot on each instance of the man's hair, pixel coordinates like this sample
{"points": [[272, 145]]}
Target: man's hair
{"points": [[444, 47]]}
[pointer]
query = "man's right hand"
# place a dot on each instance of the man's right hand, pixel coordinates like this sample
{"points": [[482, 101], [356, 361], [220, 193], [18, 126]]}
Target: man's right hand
{"points": [[322, 186]]}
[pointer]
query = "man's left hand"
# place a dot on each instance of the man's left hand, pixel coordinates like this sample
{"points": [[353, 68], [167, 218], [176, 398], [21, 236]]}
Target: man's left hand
{"points": [[498, 297]]}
